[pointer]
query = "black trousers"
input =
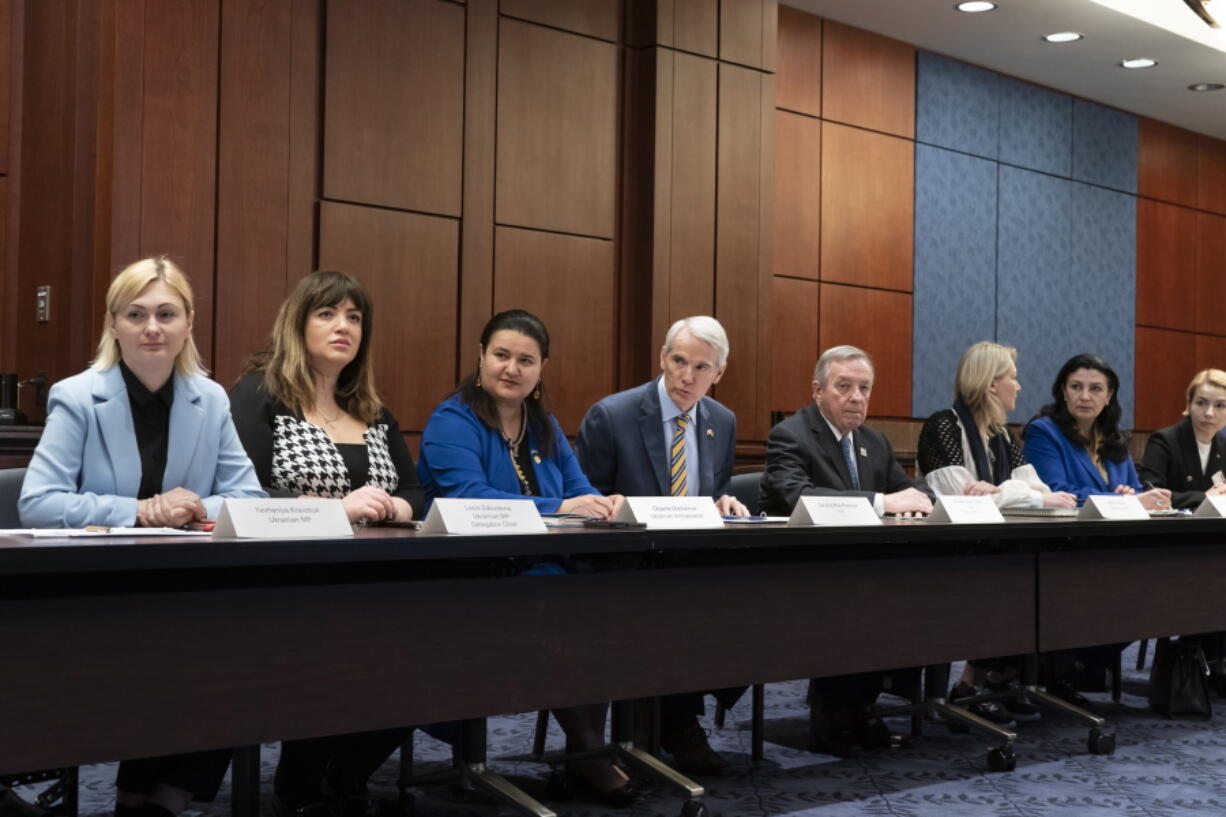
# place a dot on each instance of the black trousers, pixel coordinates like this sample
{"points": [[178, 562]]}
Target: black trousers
{"points": [[680, 706], [846, 693], [197, 772], [346, 761]]}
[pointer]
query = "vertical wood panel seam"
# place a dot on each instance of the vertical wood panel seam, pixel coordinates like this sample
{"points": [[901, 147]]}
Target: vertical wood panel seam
{"points": [[320, 120], [719, 103], [461, 232], [217, 181], [140, 154], [619, 183]]}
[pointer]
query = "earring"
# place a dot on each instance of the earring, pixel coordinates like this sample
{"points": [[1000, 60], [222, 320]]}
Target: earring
{"points": [[478, 383], [536, 395]]}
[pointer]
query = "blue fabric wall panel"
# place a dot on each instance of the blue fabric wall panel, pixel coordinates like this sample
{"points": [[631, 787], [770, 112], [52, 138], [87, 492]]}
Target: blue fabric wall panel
{"points": [[1036, 305], [957, 106], [1104, 264], [955, 269], [1036, 128], [1104, 146]]}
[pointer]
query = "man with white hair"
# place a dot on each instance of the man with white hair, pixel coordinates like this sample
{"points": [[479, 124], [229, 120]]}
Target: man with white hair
{"points": [[668, 438], [824, 449]]}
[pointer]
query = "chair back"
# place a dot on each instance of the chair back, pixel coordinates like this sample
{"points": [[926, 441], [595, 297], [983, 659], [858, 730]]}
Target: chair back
{"points": [[10, 492], [745, 489]]}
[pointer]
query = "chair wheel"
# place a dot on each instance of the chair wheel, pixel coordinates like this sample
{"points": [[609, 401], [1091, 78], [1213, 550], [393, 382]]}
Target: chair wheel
{"points": [[1002, 759], [694, 808], [1101, 743], [958, 728], [558, 785]]}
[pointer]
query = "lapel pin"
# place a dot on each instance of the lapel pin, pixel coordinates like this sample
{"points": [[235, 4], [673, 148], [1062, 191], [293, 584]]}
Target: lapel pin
{"points": [[710, 433], [863, 453]]}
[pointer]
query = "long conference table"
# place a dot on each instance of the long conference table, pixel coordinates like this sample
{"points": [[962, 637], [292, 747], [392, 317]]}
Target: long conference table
{"points": [[132, 647]]}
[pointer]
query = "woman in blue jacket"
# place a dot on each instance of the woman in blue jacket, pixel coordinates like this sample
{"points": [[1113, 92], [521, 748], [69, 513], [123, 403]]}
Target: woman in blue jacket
{"points": [[1076, 443], [1076, 446], [495, 438], [142, 437]]}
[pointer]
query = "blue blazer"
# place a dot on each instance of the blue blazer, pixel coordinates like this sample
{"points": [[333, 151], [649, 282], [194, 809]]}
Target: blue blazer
{"points": [[463, 457], [1066, 467], [86, 469], [622, 450]]}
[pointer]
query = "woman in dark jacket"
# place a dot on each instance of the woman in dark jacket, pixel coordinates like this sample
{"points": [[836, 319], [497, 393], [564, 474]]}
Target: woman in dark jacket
{"points": [[1187, 458]]}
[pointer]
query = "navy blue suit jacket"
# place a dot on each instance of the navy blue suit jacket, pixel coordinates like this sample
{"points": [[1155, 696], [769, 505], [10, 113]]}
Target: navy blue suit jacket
{"points": [[622, 450]]}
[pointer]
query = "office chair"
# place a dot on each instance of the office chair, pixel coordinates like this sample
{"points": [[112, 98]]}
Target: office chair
{"points": [[10, 492]]}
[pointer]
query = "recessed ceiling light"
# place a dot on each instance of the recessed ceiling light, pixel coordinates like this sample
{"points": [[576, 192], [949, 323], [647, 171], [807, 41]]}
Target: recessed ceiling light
{"points": [[1139, 62], [972, 6], [1063, 37], [1206, 86]]}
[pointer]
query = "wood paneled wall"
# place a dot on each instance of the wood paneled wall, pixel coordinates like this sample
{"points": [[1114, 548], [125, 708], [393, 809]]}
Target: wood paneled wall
{"points": [[844, 159], [1181, 266], [611, 165], [698, 176]]}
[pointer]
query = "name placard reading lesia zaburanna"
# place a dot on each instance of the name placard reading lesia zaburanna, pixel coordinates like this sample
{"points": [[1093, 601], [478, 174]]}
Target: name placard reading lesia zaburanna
{"points": [[483, 516], [304, 518]]}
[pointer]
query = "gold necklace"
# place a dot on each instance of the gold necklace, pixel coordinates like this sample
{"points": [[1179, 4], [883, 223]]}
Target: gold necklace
{"points": [[525, 487], [324, 417]]}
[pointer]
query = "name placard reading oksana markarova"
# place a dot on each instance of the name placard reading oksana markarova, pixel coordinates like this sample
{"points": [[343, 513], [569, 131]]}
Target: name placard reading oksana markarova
{"points": [[303, 518], [478, 516]]}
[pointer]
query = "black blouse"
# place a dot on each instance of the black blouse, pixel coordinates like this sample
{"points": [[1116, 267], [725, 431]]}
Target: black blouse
{"points": [[151, 421], [294, 457]]}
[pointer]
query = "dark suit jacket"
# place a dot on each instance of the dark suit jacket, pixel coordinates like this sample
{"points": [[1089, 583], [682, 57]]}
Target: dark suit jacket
{"points": [[803, 458], [1172, 461], [622, 450]]}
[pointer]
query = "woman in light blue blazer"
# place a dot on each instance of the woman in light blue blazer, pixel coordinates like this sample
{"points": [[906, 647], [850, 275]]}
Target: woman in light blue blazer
{"points": [[142, 437], [88, 467]]}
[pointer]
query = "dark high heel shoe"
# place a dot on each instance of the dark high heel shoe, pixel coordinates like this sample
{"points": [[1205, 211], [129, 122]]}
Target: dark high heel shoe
{"points": [[571, 785]]}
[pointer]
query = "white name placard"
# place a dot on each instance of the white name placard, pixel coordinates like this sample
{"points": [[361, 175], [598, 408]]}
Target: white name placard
{"points": [[675, 512], [833, 510], [965, 510], [1213, 507], [280, 518], [1113, 506], [482, 516]]}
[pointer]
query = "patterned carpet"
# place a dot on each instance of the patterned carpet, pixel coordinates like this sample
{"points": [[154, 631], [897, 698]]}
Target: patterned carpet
{"points": [[1161, 768]]}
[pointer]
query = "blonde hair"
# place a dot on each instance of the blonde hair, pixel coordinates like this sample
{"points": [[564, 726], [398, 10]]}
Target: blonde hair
{"points": [[286, 364], [1206, 377], [980, 365], [126, 288]]}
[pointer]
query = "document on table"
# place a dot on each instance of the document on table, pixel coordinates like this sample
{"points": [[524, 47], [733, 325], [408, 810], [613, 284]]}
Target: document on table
{"points": [[59, 533]]}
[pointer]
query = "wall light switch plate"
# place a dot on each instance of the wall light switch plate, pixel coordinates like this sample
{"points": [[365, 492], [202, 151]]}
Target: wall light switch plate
{"points": [[42, 308]]}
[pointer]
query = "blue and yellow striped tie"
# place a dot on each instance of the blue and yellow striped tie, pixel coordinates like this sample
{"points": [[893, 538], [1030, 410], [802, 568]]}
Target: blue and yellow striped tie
{"points": [[676, 466]]}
